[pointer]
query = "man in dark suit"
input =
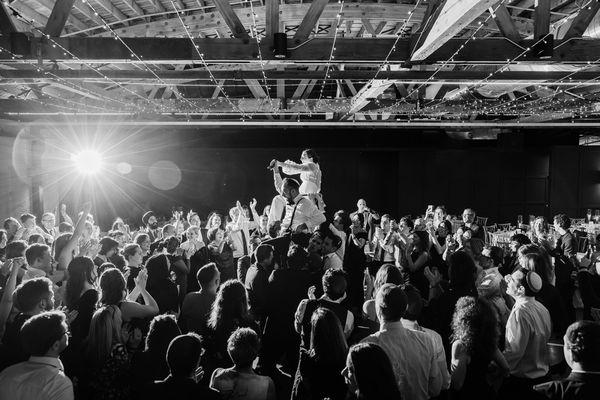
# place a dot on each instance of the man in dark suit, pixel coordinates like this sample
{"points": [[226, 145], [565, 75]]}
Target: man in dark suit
{"points": [[369, 217], [257, 279], [582, 353]]}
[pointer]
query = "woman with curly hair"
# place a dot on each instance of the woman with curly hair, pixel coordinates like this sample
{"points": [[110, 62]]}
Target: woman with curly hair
{"points": [[474, 346], [229, 312]]}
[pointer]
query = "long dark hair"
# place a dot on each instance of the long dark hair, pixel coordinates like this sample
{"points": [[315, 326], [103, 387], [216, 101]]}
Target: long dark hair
{"points": [[80, 271], [461, 269], [374, 373], [112, 283], [475, 326], [327, 341], [230, 306]]}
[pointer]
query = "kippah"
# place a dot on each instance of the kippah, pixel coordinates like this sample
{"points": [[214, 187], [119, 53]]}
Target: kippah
{"points": [[534, 281]]}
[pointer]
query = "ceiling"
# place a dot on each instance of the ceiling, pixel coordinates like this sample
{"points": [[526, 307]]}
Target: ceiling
{"points": [[444, 63]]}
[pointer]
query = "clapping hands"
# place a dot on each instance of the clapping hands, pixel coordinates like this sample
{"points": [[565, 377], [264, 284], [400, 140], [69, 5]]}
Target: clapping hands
{"points": [[433, 276], [141, 279]]}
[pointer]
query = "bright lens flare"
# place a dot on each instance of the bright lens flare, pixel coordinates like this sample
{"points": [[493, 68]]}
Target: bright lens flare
{"points": [[87, 162]]}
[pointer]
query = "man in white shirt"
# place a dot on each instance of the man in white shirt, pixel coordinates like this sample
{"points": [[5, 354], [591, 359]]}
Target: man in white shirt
{"points": [[239, 229], [409, 321], [42, 377], [331, 244], [298, 213], [412, 354], [527, 332]]}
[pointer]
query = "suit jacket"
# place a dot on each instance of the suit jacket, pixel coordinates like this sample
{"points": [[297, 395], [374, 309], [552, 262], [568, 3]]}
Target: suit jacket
{"points": [[577, 386]]}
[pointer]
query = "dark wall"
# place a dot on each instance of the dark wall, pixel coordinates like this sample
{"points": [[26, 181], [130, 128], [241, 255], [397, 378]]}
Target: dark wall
{"points": [[397, 172]]}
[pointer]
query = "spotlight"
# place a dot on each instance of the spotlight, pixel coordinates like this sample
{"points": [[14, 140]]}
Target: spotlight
{"points": [[87, 162], [280, 45]]}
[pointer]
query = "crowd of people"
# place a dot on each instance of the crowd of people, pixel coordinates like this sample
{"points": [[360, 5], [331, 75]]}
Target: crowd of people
{"points": [[286, 303]]}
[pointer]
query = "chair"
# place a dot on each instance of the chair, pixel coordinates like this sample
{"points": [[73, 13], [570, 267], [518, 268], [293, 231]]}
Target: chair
{"points": [[487, 230], [577, 221], [456, 224], [503, 227], [582, 244], [481, 221]]}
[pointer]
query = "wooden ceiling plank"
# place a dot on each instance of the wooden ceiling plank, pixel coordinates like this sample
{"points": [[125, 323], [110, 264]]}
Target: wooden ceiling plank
{"points": [[231, 19], [109, 7], [368, 92], [505, 23], [272, 19], [134, 7], [454, 16], [58, 17], [158, 5], [6, 23], [257, 91], [582, 20], [310, 19], [541, 19]]}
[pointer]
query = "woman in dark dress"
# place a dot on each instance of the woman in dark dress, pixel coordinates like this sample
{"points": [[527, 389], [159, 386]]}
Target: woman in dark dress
{"points": [[474, 346], [80, 296], [221, 253], [134, 257], [417, 258], [160, 286], [319, 370]]}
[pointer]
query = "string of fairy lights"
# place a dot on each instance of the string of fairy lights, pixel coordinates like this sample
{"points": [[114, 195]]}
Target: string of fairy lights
{"points": [[243, 113], [386, 61], [472, 36], [256, 36], [338, 21]]}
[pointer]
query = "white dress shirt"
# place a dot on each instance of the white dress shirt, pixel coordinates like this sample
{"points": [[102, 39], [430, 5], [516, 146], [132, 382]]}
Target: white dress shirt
{"points": [[235, 233], [277, 206], [306, 213], [438, 346], [527, 332], [39, 378], [413, 359], [332, 260]]}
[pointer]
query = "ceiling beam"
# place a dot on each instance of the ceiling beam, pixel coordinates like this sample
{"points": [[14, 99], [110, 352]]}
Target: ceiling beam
{"points": [[232, 50], [541, 19], [58, 17], [310, 19], [431, 15], [6, 23], [255, 88], [454, 16], [14, 76], [505, 23], [367, 93], [231, 19], [582, 20]]}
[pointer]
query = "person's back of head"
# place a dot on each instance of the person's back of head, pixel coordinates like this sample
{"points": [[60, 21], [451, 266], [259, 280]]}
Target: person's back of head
{"points": [[297, 258], [16, 248], [387, 273], [334, 283], [34, 252], [113, 286], [107, 244], [414, 303], [105, 332], [461, 269], [390, 303], [369, 373], [183, 355], [207, 275], [163, 329], [243, 346], [327, 340], [45, 334], [263, 253], [34, 295], [582, 345]]}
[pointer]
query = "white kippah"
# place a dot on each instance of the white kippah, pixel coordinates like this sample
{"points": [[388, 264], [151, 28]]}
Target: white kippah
{"points": [[534, 281]]}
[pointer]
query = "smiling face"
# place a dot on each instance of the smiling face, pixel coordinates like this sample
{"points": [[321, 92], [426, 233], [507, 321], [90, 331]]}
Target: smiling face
{"points": [[513, 281], [315, 244], [305, 158], [361, 204], [468, 216]]}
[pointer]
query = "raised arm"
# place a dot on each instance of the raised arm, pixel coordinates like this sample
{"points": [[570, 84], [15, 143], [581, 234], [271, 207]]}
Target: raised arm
{"points": [[277, 181], [63, 213], [294, 168], [255, 217], [65, 256], [7, 297]]}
